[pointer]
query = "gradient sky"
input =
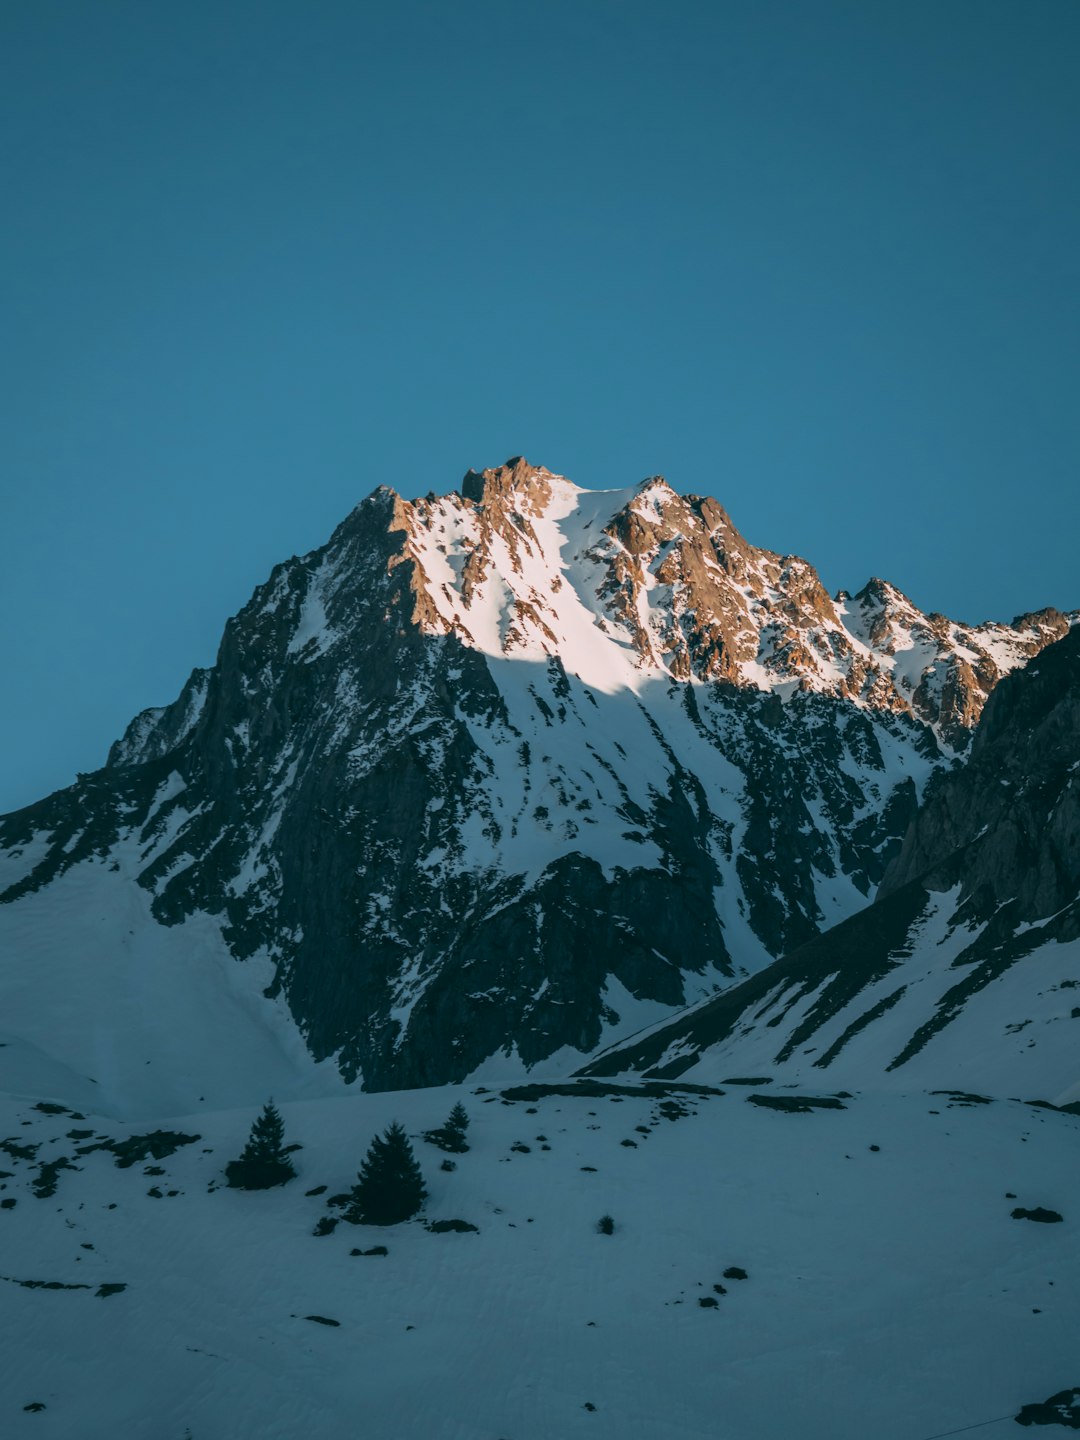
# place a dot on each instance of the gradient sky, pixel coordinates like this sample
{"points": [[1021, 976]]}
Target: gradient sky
{"points": [[819, 259]]}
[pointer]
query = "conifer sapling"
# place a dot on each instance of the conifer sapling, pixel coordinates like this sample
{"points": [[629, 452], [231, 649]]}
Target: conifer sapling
{"points": [[264, 1161], [390, 1185], [451, 1135]]}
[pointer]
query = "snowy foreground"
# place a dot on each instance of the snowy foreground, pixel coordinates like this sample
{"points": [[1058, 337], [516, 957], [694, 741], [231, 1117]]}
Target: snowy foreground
{"points": [[889, 1293]]}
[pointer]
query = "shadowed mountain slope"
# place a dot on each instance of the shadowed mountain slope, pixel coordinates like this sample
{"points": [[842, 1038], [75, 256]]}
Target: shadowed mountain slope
{"points": [[966, 969]]}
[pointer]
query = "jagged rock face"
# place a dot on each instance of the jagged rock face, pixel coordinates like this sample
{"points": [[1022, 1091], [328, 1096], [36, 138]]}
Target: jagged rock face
{"points": [[520, 769], [669, 578], [1014, 809], [966, 968], [942, 670]]}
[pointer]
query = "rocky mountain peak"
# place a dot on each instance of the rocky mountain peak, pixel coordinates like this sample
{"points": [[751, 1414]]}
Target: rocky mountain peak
{"points": [[519, 768], [645, 581], [514, 481]]}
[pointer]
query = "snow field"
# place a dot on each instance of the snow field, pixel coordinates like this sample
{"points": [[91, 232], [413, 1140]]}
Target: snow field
{"points": [[889, 1292], [142, 1018]]}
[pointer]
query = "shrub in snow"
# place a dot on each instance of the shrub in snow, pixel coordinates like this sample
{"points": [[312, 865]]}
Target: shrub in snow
{"points": [[451, 1135], [264, 1161], [605, 1225], [390, 1185]]}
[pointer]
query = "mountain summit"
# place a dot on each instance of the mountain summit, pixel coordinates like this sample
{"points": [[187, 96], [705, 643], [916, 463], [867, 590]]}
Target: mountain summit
{"points": [[491, 777], [626, 583]]}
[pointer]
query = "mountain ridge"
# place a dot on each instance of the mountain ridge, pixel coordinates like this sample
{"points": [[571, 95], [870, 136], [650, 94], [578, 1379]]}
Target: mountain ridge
{"points": [[975, 929], [509, 771]]}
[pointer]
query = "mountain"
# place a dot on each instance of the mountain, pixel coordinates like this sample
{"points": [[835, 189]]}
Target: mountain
{"points": [[480, 787], [496, 777], [966, 968]]}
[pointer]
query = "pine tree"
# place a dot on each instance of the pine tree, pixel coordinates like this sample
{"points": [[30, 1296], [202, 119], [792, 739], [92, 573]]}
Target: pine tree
{"points": [[390, 1185], [458, 1119], [451, 1135], [264, 1161]]}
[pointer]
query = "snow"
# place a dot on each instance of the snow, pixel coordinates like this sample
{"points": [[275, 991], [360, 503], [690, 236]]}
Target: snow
{"points": [[865, 1269], [151, 1017], [141, 740], [17, 863], [1016, 1036], [313, 635]]}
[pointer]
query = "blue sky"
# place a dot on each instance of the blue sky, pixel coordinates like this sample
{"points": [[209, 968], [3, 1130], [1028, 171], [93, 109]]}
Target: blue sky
{"points": [[819, 259]]}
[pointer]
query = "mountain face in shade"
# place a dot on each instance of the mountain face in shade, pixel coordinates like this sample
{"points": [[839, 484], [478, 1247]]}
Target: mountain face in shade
{"points": [[508, 772], [966, 968]]}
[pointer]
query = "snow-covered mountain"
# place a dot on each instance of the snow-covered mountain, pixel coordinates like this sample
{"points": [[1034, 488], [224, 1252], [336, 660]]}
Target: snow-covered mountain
{"points": [[510, 772], [966, 968], [482, 786]]}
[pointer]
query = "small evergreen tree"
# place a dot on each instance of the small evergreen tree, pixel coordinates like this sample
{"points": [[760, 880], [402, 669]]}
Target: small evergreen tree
{"points": [[264, 1161], [390, 1185], [451, 1135]]}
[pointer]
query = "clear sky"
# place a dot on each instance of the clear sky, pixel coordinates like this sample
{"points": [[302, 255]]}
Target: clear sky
{"points": [[820, 259]]}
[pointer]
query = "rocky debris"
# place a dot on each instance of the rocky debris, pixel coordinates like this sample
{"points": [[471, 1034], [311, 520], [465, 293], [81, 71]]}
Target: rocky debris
{"points": [[157, 1143], [595, 1090], [1061, 1409], [797, 1104], [45, 1182], [1039, 1214], [43, 1284]]}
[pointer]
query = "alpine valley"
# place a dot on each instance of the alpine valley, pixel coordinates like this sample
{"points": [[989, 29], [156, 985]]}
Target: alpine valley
{"points": [[548, 801]]}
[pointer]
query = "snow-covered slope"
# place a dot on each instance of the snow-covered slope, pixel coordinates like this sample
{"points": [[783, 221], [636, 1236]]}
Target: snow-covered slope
{"points": [[134, 1019], [888, 1291], [514, 771], [966, 969]]}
